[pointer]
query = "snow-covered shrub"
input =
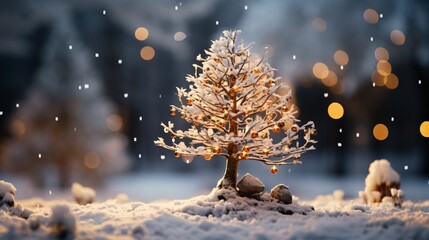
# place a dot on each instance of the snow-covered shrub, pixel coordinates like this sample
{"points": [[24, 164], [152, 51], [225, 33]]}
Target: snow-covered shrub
{"points": [[83, 195], [7, 194], [62, 221], [382, 184]]}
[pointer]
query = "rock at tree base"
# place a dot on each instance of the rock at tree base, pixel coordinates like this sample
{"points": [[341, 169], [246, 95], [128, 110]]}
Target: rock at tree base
{"points": [[250, 186], [281, 192]]}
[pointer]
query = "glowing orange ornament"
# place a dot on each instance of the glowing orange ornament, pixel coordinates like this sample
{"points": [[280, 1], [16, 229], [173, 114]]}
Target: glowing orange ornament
{"points": [[274, 170], [177, 154], [254, 134], [173, 111], [246, 148], [266, 152], [208, 157], [285, 109], [243, 155], [276, 129], [189, 101], [217, 149]]}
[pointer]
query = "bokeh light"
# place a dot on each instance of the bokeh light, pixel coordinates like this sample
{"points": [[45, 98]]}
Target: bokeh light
{"points": [[179, 36], [377, 79], [392, 81], [381, 54], [397, 37], [18, 127], [331, 80], [320, 70], [380, 132], [371, 16], [341, 57], [141, 33], [335, 110], [424, 129], [319, 24], [114, 122], [147, 53], [91, 160], [384, 68]]}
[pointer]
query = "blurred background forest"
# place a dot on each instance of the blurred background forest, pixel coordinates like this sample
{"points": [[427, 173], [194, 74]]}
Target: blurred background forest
{"points": [[84, 86]]}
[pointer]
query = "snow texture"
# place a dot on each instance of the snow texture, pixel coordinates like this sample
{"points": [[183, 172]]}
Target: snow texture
{"points": [[382, 184], [62, 221], [83, 195], [205, 217]]}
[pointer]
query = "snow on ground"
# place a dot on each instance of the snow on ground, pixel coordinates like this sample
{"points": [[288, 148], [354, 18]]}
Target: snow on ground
{"points": [[205, 217]]}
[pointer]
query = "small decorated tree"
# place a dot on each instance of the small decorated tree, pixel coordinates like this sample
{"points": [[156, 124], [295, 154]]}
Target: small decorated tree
{"points": [[236, 105]]}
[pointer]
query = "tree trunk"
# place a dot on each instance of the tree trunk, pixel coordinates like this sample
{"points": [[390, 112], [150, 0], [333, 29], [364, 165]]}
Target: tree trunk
{"points": [[229, 179]]}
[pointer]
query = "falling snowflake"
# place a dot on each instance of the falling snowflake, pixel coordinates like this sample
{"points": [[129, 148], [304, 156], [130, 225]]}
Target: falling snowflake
{"points": [[406, 167], [104, 12], [162, 157], [340, 144], [70, 47], [120, 61], [294, 57], [97, 55], [17, 105], [357, 135], [371, 39], [140, 118], [326, 95], [125, 95], [217, 22], [86, 86]]}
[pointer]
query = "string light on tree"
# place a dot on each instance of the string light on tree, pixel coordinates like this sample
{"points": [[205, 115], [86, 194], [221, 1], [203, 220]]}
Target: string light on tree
{"points": [[233, 108]]}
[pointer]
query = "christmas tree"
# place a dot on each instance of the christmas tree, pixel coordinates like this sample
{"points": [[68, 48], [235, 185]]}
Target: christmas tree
{"points": [[236, 107], [61, 130]]}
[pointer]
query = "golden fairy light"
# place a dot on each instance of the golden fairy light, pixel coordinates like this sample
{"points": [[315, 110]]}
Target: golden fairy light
{"points": [[397, 37], [18, 127], [341, 57], [424, 129], [147, 53], [381, 54], [330, 80], [335, 110], [391, 81], [114, 122], [320, 70], [319, 24], [377, 79], [179, 36], [370, 16], [380, 132], [384, 68], [141, 33], [91, 160]]}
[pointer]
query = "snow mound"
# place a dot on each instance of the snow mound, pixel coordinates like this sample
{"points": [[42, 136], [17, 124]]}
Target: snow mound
{"points": [[62, 221], [382, 185], [7, 193], [225, 203], [83, 195]]}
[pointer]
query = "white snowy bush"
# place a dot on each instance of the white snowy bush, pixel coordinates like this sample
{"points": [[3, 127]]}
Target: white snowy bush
{"points": [[83, 195], [7, 194], [382, 184], [63, 222]]}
